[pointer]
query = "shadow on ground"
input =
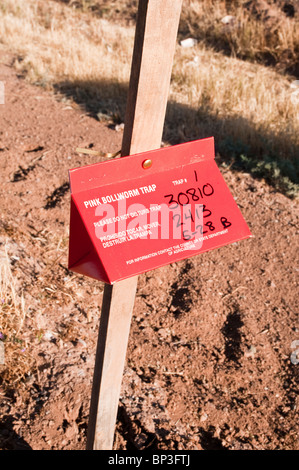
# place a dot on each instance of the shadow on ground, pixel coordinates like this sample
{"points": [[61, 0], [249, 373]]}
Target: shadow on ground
{"points": [[238, 143], [9, 439]]}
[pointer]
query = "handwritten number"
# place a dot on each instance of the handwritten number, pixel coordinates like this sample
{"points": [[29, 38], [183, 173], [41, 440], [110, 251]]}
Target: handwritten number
{"points": [[225, 222], [205, 212], [192, 193], [208, 189], [185, 199], [199, 227], [210, 225], [190, 216], [172, 201], [186, 235], [179, 223]]}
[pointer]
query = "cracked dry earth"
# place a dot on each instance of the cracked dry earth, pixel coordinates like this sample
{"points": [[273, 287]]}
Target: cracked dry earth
{"points": [[209, 360]]}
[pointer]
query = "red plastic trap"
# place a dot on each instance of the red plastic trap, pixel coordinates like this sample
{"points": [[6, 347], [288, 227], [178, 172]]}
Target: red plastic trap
{"points": [[137, 213]]}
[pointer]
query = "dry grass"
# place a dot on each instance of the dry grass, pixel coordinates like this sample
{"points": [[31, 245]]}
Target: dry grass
{"points": [[249, 103], [258, 30], [16, 362], [55, 43], [247, 107]]}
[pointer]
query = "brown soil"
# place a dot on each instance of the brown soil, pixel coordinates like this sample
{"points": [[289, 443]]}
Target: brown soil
{"points": [[209, 355]]}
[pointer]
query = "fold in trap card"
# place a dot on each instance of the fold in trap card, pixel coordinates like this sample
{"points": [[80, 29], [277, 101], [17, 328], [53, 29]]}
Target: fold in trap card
{"points": [[137, 213]]}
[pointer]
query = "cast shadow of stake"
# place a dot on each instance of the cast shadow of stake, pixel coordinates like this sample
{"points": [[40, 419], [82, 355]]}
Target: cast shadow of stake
{"points": [[232, 333], [9, 439], [238, 142]]}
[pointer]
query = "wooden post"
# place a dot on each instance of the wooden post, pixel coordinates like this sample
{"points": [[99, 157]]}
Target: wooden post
{"points": [[155, 40]]}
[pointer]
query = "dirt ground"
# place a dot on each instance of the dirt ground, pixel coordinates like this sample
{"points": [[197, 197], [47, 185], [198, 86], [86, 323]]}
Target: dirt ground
{"points": [[209, 362]]}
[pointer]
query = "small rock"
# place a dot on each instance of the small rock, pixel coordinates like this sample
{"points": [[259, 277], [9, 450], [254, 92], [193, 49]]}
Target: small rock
{"points": [[103, 116], [49, 335], [189, 42], [82, 343], [250, 352], [295, 84], [228, 20], [81, 373], [119, 127], [163, 333]]}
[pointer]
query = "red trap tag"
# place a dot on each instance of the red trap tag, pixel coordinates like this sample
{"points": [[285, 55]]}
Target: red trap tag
{"points": [[137, 213]]}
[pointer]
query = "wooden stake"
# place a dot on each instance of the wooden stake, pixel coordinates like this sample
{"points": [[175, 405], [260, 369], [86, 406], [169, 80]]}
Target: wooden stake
{"points": [[155, 40], [114, 331]]}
